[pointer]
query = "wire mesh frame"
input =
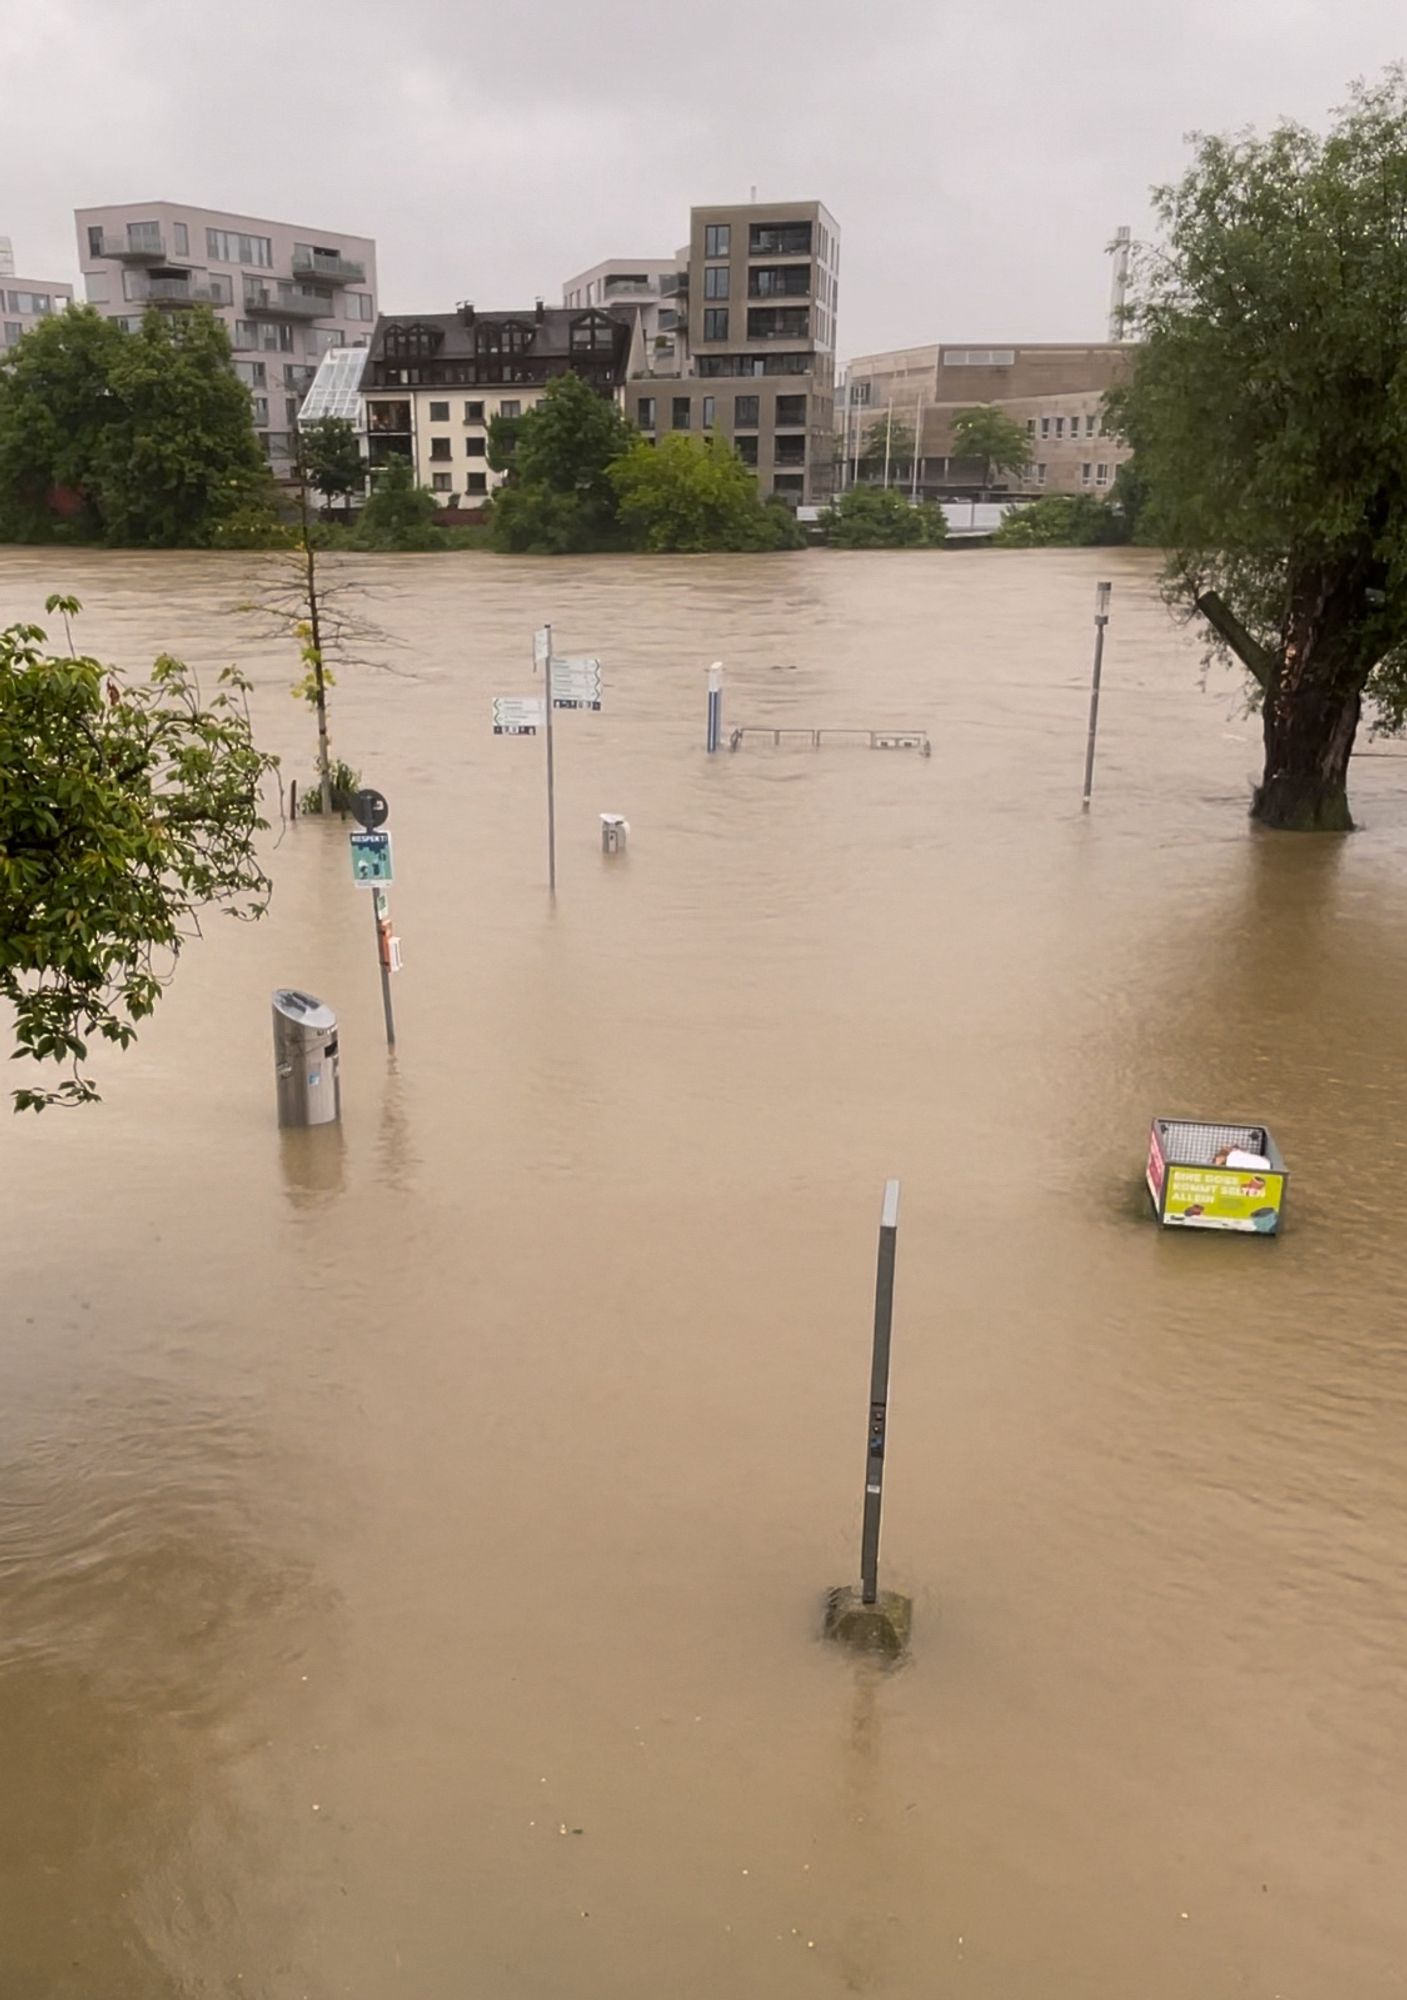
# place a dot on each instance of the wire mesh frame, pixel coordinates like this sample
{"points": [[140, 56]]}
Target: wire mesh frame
{"points": [[1191, 1143]]}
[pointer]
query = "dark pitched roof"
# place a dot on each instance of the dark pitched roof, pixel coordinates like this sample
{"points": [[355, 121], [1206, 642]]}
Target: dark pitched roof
{"points": [[459, 334]]}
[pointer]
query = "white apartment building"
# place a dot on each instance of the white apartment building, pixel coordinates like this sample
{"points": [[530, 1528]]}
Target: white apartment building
{"points": [[650, 289], [25, 302], [286, 292]]}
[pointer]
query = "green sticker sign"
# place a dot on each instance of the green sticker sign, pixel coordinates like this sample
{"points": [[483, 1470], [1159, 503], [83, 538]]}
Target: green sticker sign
{"points": [[371, 857]]}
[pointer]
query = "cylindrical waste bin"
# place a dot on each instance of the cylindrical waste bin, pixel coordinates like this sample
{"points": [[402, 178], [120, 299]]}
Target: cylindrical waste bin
{"points": [[306, 1063], [614, 833]]}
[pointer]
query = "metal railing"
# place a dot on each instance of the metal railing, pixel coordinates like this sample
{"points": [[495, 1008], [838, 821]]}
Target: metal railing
{"points": [[284, 302], [181, 292], [335, 270], [151, 249]]}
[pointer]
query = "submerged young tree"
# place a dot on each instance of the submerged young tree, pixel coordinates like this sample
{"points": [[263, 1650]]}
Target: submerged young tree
{"points": [[125, 809], [1268, 410]]}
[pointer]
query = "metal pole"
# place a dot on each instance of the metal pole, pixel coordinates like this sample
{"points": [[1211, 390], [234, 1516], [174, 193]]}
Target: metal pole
{"points": [[1102, 595], [888, 435], [715, 707], [551, 772], [879, 1393], [378, 910], [918, 433]]}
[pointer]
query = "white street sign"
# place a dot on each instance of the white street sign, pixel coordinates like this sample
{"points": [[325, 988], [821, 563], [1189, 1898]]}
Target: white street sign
{"points": [[517, 715], [542, 645], [576, 681]]}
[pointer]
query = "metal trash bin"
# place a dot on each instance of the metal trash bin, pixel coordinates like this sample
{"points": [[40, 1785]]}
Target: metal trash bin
{"points": [[1207, 1173], [306, 1062], [615, 831]]}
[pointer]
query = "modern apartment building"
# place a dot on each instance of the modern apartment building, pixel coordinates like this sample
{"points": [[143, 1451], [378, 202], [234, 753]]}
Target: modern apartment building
{"points": [[1055, 389], [27, 302], [434, 382], [756, 293], [648, 289], [287, 293]]}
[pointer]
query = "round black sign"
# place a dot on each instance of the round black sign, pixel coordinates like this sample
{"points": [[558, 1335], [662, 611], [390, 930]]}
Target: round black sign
{"points": [[369, 808]]}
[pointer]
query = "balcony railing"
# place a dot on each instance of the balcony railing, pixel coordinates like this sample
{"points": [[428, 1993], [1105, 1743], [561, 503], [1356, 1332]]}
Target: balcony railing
{"points": [[184, 292], [783, 241], [284, 302], [149, 250], [335, 270]]}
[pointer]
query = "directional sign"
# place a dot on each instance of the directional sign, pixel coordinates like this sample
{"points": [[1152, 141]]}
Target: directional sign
{"points": [[371, 857], [542, 645], [576, 681], [517, 715]]}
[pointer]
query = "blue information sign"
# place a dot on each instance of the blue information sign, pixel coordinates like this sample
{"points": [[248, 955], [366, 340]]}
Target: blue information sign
{"points": [[371, 857]]}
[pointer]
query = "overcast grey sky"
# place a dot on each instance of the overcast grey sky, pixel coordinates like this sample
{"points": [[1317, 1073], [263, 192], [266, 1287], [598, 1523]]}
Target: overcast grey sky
{"points": [[977, 153]]}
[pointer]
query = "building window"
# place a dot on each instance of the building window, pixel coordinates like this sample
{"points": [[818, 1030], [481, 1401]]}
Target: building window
{"points": [[1045, 427], [717, 236], [144, 236], [182, 239], [791, 413], [441, 482], [95, 239], [1060, 427], [979, 357], [228, 246], [359, 305], [593, 334], [35, 303], [746, 448], [716, 281], [789, 483], [715, 324], [477, 482], [779, 239], [1040, 475], [439, 413], [473, 413], [683, 414], [13, 332], [1085, 470], [320, 338], [1091, 425], [745, 410], [645, 413], [261, 409], [510, 409], [709, 409], [1101, 475], [253, 374], [439, 447], [475, 447]]}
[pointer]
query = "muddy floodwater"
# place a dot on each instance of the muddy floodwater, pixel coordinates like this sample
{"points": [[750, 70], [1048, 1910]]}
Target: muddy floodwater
{"points": [[413, 1537]]}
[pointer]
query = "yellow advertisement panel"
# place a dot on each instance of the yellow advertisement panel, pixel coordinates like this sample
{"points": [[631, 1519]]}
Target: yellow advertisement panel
{"points": [[1224, 1198]]}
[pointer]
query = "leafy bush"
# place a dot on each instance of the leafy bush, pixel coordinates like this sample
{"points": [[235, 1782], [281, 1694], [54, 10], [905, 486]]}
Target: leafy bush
{"points": [[398, 513], [687, 495], [877, 517], [1069, 520]]}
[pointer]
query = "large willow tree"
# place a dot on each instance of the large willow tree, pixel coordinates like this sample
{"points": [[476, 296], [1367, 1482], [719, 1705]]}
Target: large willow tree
{"points": [[1268, 413]]}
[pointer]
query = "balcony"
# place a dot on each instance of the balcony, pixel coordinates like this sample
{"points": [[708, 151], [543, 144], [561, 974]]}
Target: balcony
{"points": [[783, 239], [776, 325], [674, 284], [784, 281], [185, 292], [284, 302], [148, 250], [324, 269], [299, 380]]}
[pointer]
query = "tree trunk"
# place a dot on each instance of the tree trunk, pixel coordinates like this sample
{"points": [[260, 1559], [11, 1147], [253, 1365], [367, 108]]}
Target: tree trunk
{"points": [[1311, 710]]}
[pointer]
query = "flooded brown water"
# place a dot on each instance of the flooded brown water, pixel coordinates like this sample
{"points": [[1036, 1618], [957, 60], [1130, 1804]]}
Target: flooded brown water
{"points": [[412, 1540]]}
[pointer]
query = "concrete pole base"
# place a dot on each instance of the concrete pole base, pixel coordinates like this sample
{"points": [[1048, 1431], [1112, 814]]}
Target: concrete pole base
{"points": [[882, 1627]]}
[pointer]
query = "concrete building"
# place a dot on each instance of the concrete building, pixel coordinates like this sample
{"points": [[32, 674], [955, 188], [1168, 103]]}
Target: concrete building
{"points": [[434, 382], [287, 293], [755, 292], [1055, 389], [648, 289], [28, 301]]}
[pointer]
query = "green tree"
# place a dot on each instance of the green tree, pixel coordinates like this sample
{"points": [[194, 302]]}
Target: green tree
{"points": [[1069, 520], [330, 459], [891, 435], [125, 809], [561, 500], [879, 517], [1268, 411], [988, 433], [180, 456], [399, 514], [687, 494], [503, 443], [56, 407]]}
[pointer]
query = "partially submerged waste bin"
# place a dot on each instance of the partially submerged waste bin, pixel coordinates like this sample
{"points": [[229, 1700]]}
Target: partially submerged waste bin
{"points": [[1209, 1174], [306, 1061]]}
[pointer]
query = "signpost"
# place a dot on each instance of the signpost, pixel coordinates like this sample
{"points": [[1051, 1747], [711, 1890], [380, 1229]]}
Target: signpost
{"points": [[1102, 594], [879, 1393], [714, 735], [570, 681], [371, 864]]}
